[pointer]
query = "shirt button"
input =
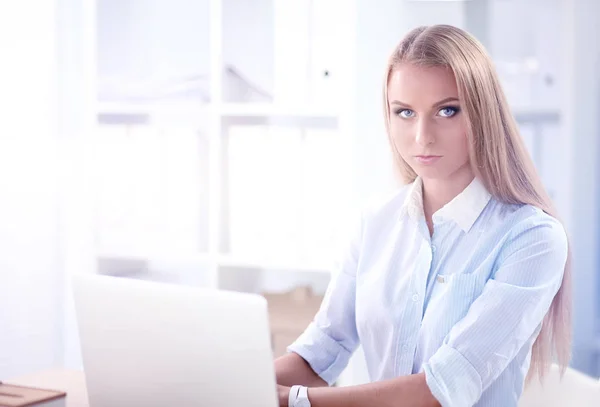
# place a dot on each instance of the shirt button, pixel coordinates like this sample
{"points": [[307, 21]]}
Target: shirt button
{"points": [[415, 297], [405, 348], [433, 249]]}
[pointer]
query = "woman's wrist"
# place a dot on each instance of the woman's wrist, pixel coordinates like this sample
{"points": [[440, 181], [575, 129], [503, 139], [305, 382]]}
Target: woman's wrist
{"points": [[283, 395]]}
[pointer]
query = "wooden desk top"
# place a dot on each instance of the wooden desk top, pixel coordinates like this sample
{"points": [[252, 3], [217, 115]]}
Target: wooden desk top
{"points": [[70, 381]]}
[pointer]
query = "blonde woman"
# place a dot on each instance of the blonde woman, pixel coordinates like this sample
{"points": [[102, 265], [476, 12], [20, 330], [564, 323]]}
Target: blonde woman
{"points": [[457, 287]]}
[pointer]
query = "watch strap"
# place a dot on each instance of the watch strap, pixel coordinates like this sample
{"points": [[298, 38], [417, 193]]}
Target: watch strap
{"points": [[303, 395], [294, 390]]}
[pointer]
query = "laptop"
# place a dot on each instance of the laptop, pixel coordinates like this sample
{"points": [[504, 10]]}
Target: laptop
{"points": [[156, 344]]}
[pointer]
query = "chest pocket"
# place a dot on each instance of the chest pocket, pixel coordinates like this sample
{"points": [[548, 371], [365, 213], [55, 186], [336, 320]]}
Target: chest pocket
{"points": [[449, 301]]}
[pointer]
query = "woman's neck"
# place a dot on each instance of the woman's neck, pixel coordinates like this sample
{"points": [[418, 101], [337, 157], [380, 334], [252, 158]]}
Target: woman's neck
{"points": [[438, 192]]}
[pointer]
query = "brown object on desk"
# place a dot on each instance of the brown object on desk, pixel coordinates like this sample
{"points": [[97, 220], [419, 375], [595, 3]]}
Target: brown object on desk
{"points": [[71, 381], [290, 313], [25, 396]]}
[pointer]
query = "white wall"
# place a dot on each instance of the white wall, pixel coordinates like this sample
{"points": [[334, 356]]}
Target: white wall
{"points": [[534, 32], [154, 41], [581, 102], [248, 40], [76, 79], [151, 39], [30, 264]]}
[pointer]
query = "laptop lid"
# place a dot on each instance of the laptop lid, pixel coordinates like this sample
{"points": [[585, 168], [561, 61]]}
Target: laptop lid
{"points": [[155, 344]]}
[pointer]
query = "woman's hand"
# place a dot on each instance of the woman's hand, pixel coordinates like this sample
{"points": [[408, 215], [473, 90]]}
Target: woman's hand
{"points": [[283, 393], [402, 391]]}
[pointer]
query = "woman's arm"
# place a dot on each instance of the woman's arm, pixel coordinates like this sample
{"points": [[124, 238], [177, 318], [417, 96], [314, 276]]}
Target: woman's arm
{"points": [[319, 355], [406, 391], [292, 370], [504, 317]]}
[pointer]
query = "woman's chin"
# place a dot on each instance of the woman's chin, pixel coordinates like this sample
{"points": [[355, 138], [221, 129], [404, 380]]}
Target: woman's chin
{"points": [[430, 172]]}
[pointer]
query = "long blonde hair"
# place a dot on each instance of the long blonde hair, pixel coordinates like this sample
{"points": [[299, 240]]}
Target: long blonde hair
{"points": [[497, 153]]}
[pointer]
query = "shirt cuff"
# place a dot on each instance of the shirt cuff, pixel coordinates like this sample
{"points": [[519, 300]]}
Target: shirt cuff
{"points": [[327, 357], [452, 379]]}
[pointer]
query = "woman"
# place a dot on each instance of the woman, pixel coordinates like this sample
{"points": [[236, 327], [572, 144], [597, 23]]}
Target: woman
{"points": [[457, 286]]}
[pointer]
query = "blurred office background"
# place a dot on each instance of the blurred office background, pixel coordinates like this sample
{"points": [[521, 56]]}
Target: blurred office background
{"points": [[226, 143]]}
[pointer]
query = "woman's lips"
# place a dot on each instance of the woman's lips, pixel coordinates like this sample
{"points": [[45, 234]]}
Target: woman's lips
{"points": [[427, 159]]}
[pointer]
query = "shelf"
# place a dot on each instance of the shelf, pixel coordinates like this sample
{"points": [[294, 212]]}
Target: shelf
{"points": [[238, 262], [156, 256], [150, 108], [186, 112], [536, 115], [143, 113], [273, 110], [207, 259], [227, 109]]}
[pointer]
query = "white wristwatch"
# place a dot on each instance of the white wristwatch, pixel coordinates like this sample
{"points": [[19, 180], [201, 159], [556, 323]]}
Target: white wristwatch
{"points": [[298, 397]]}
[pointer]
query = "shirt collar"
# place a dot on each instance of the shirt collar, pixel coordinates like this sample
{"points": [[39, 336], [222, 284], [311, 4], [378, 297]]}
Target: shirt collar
{"points": [[464, 209], [413, 203]]}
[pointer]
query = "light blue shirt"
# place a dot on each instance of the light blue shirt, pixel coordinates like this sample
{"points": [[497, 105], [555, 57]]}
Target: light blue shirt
{"points": [[464, 305]]}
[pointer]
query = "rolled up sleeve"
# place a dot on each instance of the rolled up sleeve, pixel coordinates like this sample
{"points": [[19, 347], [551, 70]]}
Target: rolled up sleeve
{"points": [[331, 338], [506, 315]]}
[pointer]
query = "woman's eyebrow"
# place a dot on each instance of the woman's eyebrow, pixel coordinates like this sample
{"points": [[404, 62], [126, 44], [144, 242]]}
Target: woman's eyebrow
{"points": [[441, 102], [397, 102], [446, 100]]}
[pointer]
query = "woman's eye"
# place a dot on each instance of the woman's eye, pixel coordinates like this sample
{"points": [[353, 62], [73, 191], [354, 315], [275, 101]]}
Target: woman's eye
{"points": [[405, 113], [448, 111]]}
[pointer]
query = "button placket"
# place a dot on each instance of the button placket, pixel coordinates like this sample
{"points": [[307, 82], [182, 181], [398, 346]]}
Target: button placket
{"points": [[407, 343]]}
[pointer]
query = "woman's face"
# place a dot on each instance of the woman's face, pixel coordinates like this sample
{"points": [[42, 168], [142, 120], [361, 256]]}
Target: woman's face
{"points": [[426, 124]]}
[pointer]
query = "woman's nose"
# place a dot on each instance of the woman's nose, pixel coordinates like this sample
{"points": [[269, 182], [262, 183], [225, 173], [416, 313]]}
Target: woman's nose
{"points": [[424, 136]]}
